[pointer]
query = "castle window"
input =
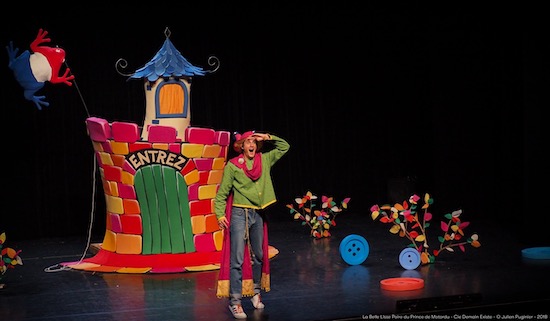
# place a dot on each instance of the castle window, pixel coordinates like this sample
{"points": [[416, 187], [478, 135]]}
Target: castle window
{"points": [[171, 100]]}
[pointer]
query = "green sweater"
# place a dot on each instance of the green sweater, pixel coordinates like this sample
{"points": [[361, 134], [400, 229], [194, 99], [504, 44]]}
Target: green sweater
{"points": [[247, 193]]}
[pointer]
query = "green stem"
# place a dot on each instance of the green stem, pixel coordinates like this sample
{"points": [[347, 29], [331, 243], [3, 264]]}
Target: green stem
{"points": [[446, 232], [408, 236], [450, 245]]}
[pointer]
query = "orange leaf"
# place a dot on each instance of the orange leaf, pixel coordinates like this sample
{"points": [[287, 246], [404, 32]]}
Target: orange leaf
{"points": [[11, 252], [424, 258]]}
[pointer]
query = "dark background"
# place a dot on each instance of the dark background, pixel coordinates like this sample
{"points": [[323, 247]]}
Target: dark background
{"points": [[377, 101]]}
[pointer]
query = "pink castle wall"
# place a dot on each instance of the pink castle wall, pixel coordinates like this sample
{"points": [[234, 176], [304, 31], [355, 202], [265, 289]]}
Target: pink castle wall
{"points": [[199, 158]]}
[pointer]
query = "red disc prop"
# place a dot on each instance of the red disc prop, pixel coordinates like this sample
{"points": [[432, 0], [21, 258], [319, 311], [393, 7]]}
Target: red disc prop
{"points": [[402, 284]]}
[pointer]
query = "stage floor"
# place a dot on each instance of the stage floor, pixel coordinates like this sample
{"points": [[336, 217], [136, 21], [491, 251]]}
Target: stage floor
{"points": [[310, 280]]}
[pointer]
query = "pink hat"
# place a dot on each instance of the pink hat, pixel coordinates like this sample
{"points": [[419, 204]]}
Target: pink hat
{"points": [[239, 140]]}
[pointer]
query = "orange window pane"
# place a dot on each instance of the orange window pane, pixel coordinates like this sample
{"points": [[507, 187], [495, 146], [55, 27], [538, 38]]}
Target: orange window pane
{"points": [[171, 99]]}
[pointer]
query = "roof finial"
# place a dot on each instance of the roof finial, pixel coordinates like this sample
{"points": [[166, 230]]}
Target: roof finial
{"points": [[167, 32]]}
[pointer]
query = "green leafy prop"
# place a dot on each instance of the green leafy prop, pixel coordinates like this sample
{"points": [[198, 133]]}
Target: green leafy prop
{"points": [[318, 220], [9, 257], [406, 222]]}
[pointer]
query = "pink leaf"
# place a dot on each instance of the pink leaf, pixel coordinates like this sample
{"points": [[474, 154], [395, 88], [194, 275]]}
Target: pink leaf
{"points": [[461, 246], [427, 216], [463, 224], [444, 226]]}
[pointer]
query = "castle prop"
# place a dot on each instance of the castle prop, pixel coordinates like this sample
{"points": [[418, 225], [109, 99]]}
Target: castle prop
{"points": [[159, 179]]}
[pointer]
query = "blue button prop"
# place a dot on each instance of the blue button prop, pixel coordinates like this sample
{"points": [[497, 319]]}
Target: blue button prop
{"points": [[354, 249], [409, 258], [536, 253]]}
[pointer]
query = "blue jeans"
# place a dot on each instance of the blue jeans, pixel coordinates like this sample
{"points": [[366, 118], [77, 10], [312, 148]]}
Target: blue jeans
{"points": [[238, 226]]}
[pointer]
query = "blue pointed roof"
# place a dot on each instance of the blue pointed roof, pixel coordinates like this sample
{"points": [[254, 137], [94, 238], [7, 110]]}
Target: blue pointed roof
{"points": [[167, 62]]}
